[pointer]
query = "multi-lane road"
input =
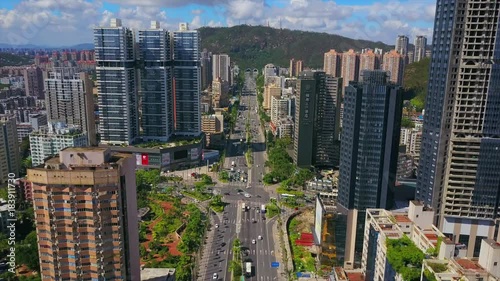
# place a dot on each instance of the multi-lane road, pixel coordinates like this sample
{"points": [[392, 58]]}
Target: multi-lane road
{"points": [[236, 223]]}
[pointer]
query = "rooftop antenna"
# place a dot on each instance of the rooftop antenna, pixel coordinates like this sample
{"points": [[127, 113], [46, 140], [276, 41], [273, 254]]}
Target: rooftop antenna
{"points": [[268, 24], [280, 24]]}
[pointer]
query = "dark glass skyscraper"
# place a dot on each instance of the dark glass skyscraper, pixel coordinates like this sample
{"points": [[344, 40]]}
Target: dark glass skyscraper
{"points": [[155, 83], [317, 115], [186, 81], [459, 165], [368, 151], [117, 81]]}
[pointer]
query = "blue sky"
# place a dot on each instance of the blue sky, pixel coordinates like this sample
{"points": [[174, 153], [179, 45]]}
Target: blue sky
{"points": [[68, 22]]}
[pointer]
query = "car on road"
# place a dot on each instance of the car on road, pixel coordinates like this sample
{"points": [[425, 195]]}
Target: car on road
{"points": [[227, 193], [215, 276], [260, 237], [216, 225], [253, 241]]}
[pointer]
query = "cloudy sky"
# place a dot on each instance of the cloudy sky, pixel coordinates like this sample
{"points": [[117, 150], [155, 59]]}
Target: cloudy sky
{"points": [[69, 22]]}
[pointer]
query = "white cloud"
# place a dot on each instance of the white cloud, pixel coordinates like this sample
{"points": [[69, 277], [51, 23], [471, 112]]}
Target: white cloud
{"points": [[64, 22]]}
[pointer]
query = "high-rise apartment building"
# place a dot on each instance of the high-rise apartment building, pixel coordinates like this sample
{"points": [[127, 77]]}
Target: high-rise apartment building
{"points": [[332, 63], [48, 141], [460, 154], [411, 57], [270, 91], [296, 67], [33, 81], [299, 67], [402, 45], [369, 152], [280, 108], [116, 83], [69, 99], [86, 215], [420, 48], [186, 81], [270, 70], [155, 83], [350, 67], [394, 63], [221, 67], [369, 61], [206, 69], [10, 161], [291, 68], [317, 118]]}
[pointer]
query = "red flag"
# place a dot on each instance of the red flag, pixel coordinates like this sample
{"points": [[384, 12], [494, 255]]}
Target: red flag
{"points": [[145, 159]]}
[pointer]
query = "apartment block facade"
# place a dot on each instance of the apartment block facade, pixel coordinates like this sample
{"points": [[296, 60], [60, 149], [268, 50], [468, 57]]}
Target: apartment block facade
{"points": [[86, 216], [69, 99]]}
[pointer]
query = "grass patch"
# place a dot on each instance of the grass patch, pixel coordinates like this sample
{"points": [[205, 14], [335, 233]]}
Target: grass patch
{"points": [[248, 157], [197, 195], [285, 190], [302, 259], [272, 210]]}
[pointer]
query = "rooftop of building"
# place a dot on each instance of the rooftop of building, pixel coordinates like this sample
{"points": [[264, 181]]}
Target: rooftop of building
{"points": [[355, 276], [172, 143], [494, 244], [402, 218], [158, 274], [83, 158]]}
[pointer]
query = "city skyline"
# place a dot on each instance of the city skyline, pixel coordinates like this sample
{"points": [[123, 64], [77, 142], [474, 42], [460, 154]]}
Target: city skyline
{"points": [[56, 23]]}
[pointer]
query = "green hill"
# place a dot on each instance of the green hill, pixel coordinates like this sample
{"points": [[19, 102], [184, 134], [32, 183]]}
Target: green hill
{"points": [[256, 46], [416, 78], [7, 59]]}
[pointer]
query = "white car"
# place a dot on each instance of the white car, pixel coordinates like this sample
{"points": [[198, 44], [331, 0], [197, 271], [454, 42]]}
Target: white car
{"points": [[260, 237], [215, 276], [253, 241], [216, 225]]}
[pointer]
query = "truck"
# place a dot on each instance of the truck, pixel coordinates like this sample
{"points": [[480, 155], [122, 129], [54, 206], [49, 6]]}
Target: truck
{"points": [[244, 207], [263, 209], [248, 268]]}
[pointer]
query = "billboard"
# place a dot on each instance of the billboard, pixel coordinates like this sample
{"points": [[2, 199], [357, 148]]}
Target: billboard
{"points": [[194, 153], [165, 159], [318, 220], [142, 159]]}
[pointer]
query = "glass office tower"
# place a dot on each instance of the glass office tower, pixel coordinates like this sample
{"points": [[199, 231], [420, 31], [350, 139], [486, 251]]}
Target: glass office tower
{"points": [[186, 82], [116, 82], [155, 83]]}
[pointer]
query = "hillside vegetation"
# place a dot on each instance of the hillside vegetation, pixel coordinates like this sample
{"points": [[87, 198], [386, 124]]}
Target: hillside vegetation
{"points": [[256, 46], [416, 78], [7, 59]]}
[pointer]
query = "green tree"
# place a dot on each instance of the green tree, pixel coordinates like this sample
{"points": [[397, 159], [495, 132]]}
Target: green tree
{"points": [[27, 252], [407, 123]]}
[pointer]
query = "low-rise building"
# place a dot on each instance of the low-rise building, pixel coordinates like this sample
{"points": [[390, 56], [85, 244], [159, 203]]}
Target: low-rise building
{"points": [[23, 131], [271, 90], [158, 274], [48, 141], [4, 215], [413, 230]]}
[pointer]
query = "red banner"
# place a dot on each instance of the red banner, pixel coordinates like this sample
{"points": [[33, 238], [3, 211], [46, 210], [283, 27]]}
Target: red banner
{"points": [[145, 159]]}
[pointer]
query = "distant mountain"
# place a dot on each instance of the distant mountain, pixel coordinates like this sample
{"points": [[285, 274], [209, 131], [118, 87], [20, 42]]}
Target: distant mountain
{"points": [[255, 46], [415, 81], [84, 46]]}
